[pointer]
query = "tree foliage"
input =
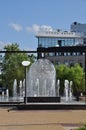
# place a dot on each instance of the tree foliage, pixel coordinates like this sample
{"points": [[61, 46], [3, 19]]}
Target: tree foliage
{"points": [[12, 66], [74, 73]]}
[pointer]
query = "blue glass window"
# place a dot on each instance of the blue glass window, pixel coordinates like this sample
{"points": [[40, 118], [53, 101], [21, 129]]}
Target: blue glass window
{"points": [[53, 41]]}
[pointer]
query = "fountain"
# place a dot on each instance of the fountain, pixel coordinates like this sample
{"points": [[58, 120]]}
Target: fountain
{"points": [[15, 89], [68, 96], [41, 81], [20, 88], [3, 95], [7, 95], [66, 89], [70, 91], [42, 90]]}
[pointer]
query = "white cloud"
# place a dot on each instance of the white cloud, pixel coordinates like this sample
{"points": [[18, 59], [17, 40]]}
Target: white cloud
{"points": [[46, 27], [35, 28], [16, 27]]}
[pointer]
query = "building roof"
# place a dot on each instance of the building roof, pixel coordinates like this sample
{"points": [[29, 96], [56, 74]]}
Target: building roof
{"points": [[56, 33]]}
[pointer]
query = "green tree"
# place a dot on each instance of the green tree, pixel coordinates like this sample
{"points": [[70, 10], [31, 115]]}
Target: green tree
{"points": [[62, 72], [78, 78], [74, 73], [12, 66]]}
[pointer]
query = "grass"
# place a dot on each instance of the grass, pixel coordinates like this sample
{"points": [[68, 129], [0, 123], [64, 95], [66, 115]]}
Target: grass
{"points": [[81, 128]]}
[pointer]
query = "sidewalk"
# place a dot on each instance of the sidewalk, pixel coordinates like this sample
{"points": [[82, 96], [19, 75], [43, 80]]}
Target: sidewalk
{"points": [[41, 120]]}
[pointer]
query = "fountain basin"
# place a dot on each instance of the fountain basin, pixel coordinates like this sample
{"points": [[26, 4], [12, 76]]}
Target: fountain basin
{"points": [[42, 99]]}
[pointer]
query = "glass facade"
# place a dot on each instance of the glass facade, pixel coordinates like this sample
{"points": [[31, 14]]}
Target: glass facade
{"points": [[54, 41]]}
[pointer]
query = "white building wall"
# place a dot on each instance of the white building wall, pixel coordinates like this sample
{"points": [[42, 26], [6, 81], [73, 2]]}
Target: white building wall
{"points": [[66, 34]]}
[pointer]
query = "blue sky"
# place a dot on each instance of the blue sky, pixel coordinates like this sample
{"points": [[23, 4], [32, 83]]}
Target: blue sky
{"points": [[19, 19]]}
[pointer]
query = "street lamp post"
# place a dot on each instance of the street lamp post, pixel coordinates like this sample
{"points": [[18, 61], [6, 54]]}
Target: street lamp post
{"points": [[25, 64]]}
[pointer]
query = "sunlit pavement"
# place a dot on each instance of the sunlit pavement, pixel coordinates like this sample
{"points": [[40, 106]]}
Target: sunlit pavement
{"points": [[41, 119]]}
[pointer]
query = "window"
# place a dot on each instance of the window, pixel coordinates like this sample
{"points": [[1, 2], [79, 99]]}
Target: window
{"points": [[66, 62]]}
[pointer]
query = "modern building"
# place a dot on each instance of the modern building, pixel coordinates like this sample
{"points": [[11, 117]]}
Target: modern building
{"points": [[58, 38], [78, 27]]}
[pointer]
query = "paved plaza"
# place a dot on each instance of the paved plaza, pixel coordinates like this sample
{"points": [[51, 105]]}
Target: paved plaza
{"points": [[41, 119]]}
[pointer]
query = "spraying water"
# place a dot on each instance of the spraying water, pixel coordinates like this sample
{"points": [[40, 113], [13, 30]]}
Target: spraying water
{"points": [[41, 79]]}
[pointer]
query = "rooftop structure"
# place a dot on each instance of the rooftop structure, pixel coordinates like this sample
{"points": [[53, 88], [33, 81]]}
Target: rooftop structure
{"points": [[81, 28], [59, 33], [55, 38], [78, 27]]}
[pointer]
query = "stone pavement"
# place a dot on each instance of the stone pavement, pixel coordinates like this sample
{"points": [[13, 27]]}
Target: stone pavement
{"points": [[41, 119]]}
